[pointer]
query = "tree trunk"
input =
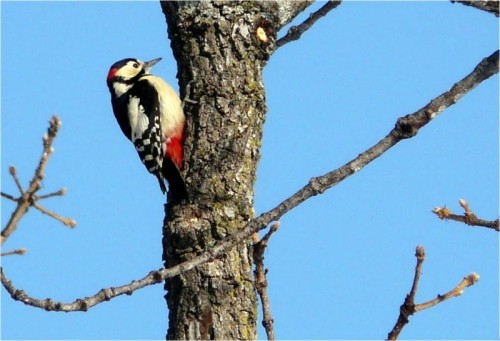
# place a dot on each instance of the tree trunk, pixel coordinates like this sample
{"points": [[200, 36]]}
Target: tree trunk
{"points": [[220, 57]]}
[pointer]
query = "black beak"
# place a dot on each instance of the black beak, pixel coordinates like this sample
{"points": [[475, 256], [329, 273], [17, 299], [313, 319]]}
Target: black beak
{"points": [[151, 63]]}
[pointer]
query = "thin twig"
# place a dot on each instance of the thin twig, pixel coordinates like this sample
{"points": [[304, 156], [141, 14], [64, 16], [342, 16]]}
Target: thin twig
{"points": [[13, 172], [420, 254], [259, 246], [66, 221], [59, 193], [468, 217], [10, 197], [406, 127], [455, 292], [409, 307], [14, 252], [295, 32]]}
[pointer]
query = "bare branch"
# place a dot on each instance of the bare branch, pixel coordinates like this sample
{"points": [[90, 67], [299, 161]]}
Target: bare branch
{"points": [[10, 197], [420, 254], [28, 198], [406, 127], [79, 304], [468, 281], [154, 277], [409, 307], [14, 252], [295, 32], [490, 6], [260, 272], [468, 217]]}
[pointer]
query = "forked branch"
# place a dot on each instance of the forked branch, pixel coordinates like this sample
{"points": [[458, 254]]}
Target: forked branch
{"points": [[259, 247], [409, 307], [28, 197], [468, 217]]}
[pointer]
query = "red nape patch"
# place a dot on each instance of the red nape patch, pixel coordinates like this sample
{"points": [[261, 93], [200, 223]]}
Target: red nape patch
{"points": [[112, 73], [174, 150]]}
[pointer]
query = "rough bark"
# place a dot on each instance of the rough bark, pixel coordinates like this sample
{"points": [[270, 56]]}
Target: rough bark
{"points": [[221, 59]]}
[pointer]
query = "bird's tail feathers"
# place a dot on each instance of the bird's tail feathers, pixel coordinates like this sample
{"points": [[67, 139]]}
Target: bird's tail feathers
{"points": [[176, 186]]}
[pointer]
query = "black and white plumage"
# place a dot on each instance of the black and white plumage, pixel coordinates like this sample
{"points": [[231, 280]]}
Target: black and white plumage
{"points": [[150, 114]]}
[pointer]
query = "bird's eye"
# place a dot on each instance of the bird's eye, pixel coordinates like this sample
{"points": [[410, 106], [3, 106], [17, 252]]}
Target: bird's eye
{"points": [[135, 65]]}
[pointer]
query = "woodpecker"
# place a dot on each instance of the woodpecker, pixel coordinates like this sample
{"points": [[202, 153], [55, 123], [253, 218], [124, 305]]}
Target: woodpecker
{"points": [[150, 114]]}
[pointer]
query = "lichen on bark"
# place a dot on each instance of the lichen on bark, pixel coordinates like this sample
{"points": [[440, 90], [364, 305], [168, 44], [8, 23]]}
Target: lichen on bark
{"points": [[220, 58]]}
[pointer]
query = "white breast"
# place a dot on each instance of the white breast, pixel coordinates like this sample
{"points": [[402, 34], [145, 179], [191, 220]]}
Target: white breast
{"points": [[172, 115]]}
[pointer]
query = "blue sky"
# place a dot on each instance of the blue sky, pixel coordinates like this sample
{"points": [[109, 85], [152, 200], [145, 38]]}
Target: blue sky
{"points": [[342, 263]]}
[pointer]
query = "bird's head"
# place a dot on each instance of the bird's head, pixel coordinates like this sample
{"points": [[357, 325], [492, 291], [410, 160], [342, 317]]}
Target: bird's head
{"points": [[129, 69], [123, 74]]}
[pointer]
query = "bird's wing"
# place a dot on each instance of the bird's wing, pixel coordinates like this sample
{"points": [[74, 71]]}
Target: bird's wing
{"points": [[144, 114]]}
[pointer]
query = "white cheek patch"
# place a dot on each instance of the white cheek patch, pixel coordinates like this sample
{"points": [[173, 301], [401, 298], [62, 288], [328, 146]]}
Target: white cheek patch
{"points": [[129, 71]]}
